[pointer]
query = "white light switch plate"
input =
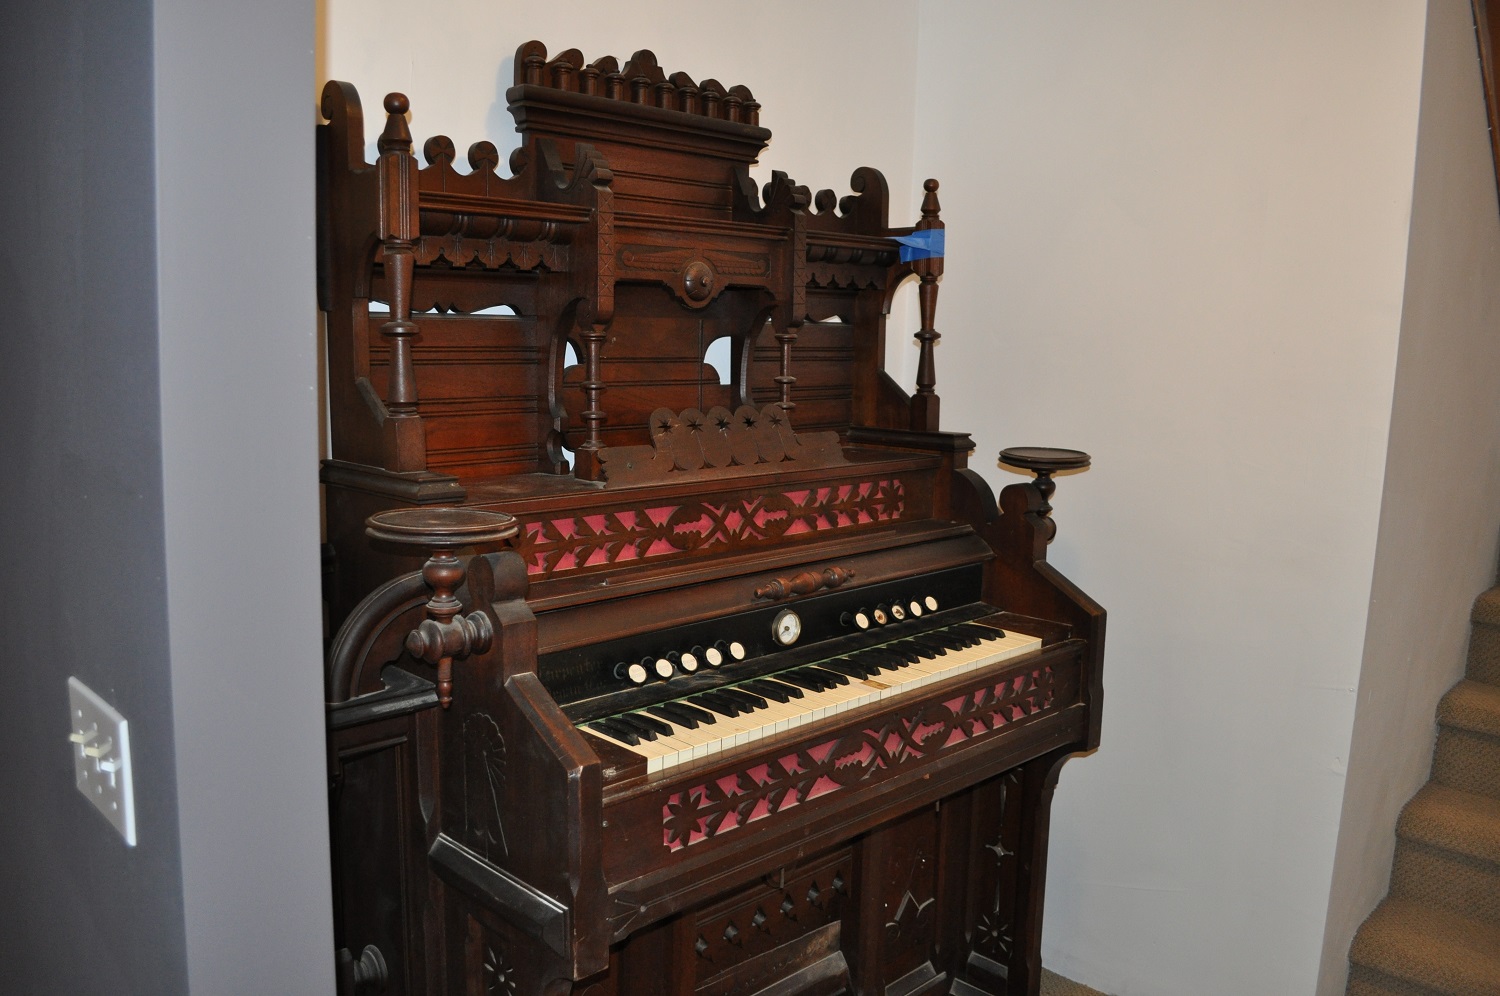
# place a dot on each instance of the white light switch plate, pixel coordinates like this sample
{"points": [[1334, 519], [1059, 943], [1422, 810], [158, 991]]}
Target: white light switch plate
{"points": [[101, 757]]}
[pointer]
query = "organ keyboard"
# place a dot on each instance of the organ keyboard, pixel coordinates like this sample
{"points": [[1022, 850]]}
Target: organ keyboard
{"points": [[732, 709], [645, 680]]}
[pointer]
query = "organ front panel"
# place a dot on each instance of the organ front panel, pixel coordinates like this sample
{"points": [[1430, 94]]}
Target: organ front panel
{"points": [[675, 648]]}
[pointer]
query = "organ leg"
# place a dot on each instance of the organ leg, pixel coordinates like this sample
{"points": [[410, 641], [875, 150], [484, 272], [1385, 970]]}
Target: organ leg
{"points": [[1000, 951]]}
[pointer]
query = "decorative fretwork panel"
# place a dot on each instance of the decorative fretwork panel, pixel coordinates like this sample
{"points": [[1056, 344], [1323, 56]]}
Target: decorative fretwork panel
{"points": [[738, 799], [620, 535]]}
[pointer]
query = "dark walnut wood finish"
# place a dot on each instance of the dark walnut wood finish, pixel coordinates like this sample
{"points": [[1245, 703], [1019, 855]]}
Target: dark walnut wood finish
{"points": [[584, 487]]}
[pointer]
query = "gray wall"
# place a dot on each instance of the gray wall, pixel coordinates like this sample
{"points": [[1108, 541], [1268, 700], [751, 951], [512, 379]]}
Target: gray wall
{"points": [[159, 496], [234, 113], [81, 499]]}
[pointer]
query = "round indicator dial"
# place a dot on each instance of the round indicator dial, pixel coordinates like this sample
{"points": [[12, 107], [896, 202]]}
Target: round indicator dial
{"points": [[786, 627]]}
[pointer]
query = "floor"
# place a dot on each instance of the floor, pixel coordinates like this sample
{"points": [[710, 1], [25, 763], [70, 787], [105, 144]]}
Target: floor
{"points": [[1055, 985]]}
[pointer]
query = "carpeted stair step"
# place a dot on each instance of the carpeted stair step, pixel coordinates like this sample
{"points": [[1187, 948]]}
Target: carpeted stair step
{"points": [[1484, 638], [1448, 852], [1365, 981], [1428, 950], [1468, 746]]}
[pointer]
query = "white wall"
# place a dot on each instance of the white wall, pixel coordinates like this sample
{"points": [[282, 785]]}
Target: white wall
{"points": [[1177, 239], [1441, 512]]}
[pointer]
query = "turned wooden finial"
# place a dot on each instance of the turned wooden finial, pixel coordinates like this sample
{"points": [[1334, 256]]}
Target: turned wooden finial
{"points": [[397, 136], [930, 207], [445, 636]]}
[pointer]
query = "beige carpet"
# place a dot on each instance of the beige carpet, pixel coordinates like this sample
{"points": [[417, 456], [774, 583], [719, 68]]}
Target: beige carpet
{"points": [[1437, 933], [1055, 985]]}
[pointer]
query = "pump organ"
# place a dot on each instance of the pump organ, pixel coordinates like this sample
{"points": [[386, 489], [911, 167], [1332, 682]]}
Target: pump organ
{"points": [[648, 679]]}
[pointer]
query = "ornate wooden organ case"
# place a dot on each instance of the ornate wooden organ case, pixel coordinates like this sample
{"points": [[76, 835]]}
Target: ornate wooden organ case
{"points": [[718, 678]]}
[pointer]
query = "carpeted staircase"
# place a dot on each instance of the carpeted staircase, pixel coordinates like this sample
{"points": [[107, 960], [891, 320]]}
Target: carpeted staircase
{"points": [[1437, 932]]}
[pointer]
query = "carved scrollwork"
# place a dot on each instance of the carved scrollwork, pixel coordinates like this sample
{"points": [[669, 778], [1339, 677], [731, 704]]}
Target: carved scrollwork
{"points": [[716, 441]]}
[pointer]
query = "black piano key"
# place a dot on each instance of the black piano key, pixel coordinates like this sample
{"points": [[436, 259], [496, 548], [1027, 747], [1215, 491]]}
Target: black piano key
{"points": [[845, 667], [673, 716], [904, 654], [958, 636], [701, 715], [750, 699], [616, 730], [729, 698], [793, 678], [643, 730], [716, 703], [877, 659], [822, 680], [912, 647], [774, 688], [982, 632], [936, 647], [928, 642], [768, 689], [665, 729], [950, 641], [792, 690], [832, 677], [869, 666]]}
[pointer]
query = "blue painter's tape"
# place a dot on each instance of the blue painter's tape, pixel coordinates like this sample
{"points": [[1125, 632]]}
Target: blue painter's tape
{"points": [[924, 244]]}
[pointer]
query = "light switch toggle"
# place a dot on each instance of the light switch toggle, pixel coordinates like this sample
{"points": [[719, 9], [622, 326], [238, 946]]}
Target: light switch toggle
{"points": [[100, 738]]}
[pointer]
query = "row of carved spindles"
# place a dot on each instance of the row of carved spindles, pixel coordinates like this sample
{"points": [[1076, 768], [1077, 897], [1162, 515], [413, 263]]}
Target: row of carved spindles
{"points": [[640, 82]]}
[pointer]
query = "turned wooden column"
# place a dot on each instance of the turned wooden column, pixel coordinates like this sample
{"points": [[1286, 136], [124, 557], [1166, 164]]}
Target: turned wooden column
{"points": [[927, 264], [398, 232]]}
